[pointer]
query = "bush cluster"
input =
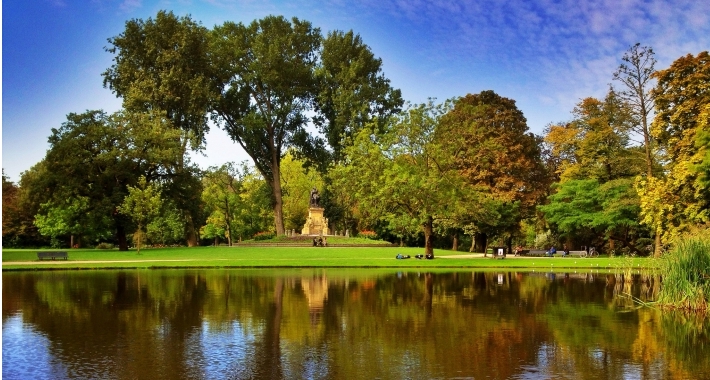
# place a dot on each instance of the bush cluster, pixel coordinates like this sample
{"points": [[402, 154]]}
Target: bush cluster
{"points": [[372, 235]]}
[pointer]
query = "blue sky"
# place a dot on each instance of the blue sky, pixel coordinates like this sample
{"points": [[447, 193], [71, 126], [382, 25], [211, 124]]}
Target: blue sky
{"points": [[544, 54]]}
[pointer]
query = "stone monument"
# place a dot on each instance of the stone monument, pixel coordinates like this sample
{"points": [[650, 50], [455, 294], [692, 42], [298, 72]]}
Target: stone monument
{"points": [[316, 224]]}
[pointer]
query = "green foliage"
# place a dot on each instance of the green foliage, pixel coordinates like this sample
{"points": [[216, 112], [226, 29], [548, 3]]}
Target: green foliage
{"points": [[105, 246], [273, 76], [686, 274], [162, 64], [167, 227], [297, 181], [142, 204], [402, 176], [62, 217], [609, 210], [92, 159], [352, 91], [674, 204]]}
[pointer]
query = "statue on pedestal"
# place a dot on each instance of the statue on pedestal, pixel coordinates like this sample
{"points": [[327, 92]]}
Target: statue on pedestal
{"points": [[316, 223], [315, 198]]}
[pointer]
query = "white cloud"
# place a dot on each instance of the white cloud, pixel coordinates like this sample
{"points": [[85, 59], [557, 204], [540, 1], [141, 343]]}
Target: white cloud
{"points": [[130, 5]]}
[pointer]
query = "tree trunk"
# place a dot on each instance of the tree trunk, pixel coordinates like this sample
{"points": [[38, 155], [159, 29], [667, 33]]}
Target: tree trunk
{"points": [[480, 240], [228, 233], [190, 234], [428, 236], [612, 247], [278, 197], [121, 237], [455, 246]]}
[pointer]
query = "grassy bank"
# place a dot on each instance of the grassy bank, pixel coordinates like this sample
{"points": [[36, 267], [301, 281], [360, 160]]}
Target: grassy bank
{"points": [[293, 257]]}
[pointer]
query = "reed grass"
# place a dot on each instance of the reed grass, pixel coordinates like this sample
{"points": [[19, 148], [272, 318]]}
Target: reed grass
{"points": [[686, 275]]}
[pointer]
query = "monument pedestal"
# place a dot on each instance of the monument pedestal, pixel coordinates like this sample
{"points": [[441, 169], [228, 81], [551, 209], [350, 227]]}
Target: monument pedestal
{"points": [[316, 224]]}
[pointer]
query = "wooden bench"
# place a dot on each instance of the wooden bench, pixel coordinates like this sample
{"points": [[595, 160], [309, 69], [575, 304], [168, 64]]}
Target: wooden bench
{"points": [[52, 255]]}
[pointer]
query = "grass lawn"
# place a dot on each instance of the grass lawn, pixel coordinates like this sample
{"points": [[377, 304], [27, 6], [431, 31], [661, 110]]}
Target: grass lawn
{"points": [[301, 257]]}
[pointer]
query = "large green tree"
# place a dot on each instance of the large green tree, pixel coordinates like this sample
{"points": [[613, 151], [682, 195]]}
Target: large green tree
{"points": [[402, 176], [595, 198], [277, 75], [92, 159], [266, 74], [162, 65]]}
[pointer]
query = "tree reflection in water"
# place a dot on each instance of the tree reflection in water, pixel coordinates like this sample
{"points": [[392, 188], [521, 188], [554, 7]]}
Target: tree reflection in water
{"points": [[337, 324]]}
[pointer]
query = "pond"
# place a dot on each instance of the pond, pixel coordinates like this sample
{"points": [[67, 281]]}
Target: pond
{"points": [[343, 324]]}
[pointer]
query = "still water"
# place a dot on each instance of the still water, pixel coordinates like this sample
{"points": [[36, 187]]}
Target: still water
{"points": [[343, 324]]}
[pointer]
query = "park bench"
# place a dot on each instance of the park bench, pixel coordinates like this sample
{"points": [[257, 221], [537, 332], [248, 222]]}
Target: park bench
{"points": [[540, 252], [534, 252], [52, 255]]}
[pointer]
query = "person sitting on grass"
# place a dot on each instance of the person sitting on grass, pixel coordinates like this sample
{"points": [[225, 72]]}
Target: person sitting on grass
{"points": [[401, 256]]}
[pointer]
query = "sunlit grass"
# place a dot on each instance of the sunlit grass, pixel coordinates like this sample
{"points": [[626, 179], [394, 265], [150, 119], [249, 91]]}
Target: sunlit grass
{"points": [[293, 257]]}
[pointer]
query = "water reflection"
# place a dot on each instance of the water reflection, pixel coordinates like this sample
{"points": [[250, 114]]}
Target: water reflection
{"points": [[344, 324]]}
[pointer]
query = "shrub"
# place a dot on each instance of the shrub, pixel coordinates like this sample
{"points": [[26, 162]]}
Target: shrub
{"points": [[104, 246], [372, 235], [264, 236]]}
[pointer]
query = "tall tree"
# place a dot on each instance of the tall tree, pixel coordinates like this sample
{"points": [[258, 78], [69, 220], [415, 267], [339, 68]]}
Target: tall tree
{"points": [[636, 74], [266, 74], [162, 65], [681, 199], [277, 75], [353, 91], [488, 137], [402, 176], [595, 197]]}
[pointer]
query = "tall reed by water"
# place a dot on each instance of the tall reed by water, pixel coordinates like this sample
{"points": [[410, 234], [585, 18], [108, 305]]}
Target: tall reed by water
{"points": [[686, 275]]}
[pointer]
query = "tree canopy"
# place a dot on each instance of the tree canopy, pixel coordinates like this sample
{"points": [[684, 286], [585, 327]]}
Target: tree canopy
{"points": [[272, 73]]}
